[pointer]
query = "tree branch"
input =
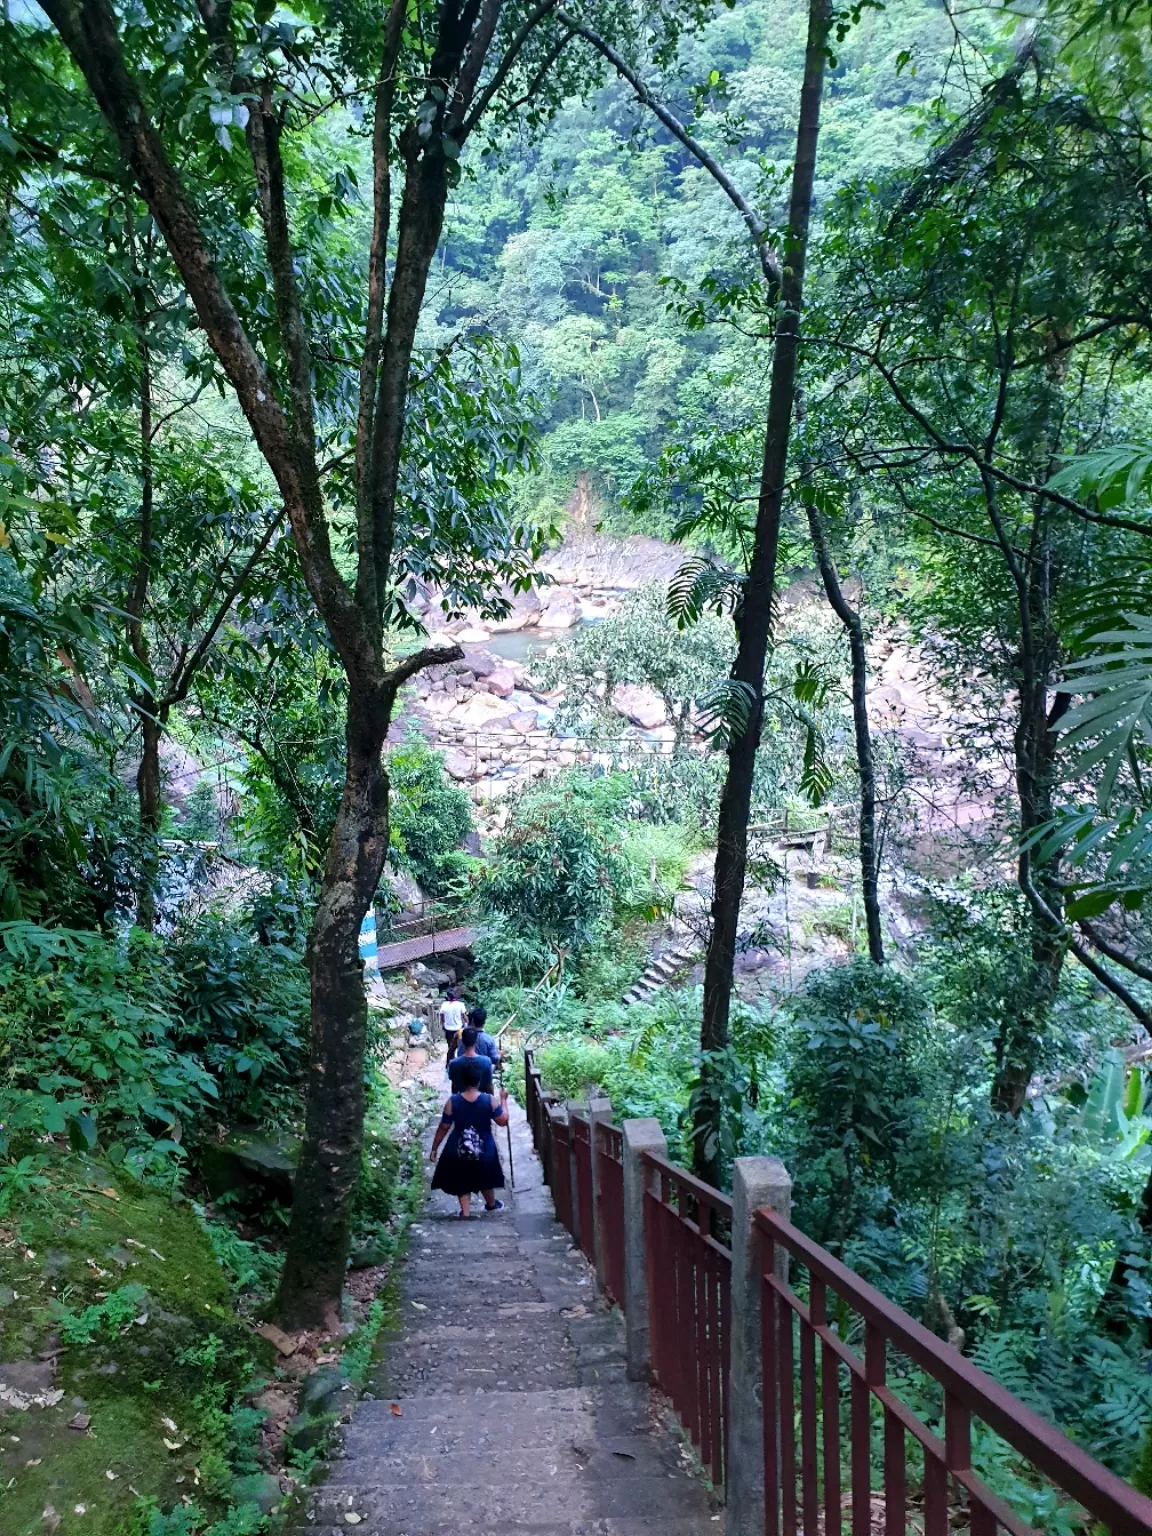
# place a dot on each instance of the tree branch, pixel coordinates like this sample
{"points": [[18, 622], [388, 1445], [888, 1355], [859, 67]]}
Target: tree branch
{"points": [[769, 261], [473, 64], [1107, 948], [88, 30], [1104, 977], [182, 680], [368, 578], [529, 25], [430, 656]]}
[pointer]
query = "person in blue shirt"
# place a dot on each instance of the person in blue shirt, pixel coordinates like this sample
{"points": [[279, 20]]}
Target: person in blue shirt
{"points": [[485, 1043], [470, 1057]]}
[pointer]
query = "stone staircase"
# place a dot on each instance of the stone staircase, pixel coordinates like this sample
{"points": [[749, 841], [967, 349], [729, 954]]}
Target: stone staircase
{"points": [[673, 962], [502, 1405]]}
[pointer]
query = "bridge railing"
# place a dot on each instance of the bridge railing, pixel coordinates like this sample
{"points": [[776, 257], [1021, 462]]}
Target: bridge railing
{"points": [[816, 1387]]}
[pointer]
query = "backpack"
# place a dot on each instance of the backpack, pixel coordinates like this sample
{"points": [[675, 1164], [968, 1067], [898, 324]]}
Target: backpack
{"points": [[470, 1144]]}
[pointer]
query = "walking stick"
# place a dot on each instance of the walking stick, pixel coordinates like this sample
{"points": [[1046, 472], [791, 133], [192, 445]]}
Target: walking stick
{"points": [[508, 1128]]}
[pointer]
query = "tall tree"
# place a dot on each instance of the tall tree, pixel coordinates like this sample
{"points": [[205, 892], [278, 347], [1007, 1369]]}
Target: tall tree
{"points": [[429, 74], [984, 321], [755, 606]]}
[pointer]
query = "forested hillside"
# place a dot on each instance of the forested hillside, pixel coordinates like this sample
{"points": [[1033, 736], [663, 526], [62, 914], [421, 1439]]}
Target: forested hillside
{"points": [[561, 245]]}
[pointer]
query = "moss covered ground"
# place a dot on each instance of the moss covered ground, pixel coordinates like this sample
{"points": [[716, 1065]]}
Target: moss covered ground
{"points": [[115, 1312]]}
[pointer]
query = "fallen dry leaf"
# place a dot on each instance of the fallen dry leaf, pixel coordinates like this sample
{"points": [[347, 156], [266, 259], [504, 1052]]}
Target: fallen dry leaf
{"points": [[352, 1518], [35, 1462], [397, 1410], [420, 1307], [110, 1193], [156, 1255], [132, 1243], [170, 1424], [110, 1475], [287, 1344], [175, 1445], [50, 1517]]}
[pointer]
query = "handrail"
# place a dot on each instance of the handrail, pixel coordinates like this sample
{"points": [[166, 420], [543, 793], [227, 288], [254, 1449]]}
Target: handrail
{"points": [[688, 1181], [1106, 1496]]}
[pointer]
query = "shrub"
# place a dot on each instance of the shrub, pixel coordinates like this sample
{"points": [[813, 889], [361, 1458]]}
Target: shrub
{"points": [[852, 1085], [430, 819], [558, 870]]}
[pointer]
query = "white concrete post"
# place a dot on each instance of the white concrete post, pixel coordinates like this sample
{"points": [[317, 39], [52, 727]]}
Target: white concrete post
{"points": [[598, 1109], [756, 1181], [640, 1136]]}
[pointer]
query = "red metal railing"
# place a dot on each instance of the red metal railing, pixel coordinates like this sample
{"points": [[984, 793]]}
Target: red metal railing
{"points": [[559, 1169], [689, 1285], [610, 1216], [947, 1494], [581, 1133]]}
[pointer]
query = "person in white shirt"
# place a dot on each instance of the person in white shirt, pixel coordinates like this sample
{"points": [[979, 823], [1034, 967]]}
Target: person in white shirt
{"points": [[453, 1017]]}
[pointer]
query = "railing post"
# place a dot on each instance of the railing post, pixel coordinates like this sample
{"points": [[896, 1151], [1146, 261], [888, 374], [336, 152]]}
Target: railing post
{"points": [[640, 1136], [598, 1109], [756, 1181], [576, 1111]]}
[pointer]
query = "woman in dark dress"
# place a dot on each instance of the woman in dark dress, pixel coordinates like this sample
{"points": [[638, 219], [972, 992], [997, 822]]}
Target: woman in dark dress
{"points": [[470, 1164]]}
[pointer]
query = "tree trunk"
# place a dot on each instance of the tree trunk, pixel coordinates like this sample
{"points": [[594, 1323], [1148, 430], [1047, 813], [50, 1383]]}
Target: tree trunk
{"points": [[1019, 1041], [148, 791], [754, 617], [148, 788], [855, 630], [329, 1167]]}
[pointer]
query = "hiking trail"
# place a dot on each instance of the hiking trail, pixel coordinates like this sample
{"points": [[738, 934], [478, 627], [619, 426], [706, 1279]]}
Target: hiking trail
{"points": [[502, 1404]]}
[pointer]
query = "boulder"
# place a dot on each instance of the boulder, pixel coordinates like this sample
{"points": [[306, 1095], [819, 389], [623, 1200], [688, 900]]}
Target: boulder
{"points": [[500, 682], [563, 615], [466, 680], [641, 705], [474, 634], [259, 1488], [371, 1254], [479, 663], [307, 1432], [459, 765], [524, 721], [252, 1167], [481, 712], [325, 1391]]}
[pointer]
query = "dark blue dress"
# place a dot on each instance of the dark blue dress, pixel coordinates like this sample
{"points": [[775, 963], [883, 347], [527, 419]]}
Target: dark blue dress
{"points": [[458, 1171]]}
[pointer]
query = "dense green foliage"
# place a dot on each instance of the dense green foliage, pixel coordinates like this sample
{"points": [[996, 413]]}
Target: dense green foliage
{"points": [[962, 1125]]}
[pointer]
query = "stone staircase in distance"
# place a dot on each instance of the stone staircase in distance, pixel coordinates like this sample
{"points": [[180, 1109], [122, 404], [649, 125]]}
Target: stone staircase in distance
{"points": [[502, 1405], [673, 962]]}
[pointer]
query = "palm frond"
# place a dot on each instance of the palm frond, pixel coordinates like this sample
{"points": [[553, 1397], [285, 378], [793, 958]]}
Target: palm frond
{"points": [[725, 710], [1115, 475], [1116, 718], [698, 586]]}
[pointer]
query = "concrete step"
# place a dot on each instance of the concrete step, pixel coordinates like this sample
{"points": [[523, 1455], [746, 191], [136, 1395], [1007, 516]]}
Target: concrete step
{"points": [[619, 1460], [556, 1488], [470, 1521]]}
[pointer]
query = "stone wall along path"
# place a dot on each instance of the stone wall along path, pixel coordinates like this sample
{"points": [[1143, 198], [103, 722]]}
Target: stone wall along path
{"points": [[502, 1404]]}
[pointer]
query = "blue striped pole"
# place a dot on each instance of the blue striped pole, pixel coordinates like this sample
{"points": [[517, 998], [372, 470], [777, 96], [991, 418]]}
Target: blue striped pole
{"points": [[368, 954]]}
